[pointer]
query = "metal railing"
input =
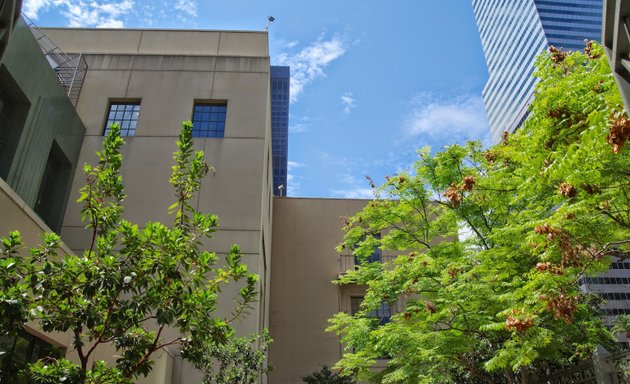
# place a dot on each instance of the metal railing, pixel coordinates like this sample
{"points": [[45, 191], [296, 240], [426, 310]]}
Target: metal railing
{"points": [[69, 68], [351, 262], [580, 374]]}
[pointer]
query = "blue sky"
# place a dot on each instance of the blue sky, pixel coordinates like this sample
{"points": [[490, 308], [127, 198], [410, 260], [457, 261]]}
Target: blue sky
{"points": [[372, 81]]}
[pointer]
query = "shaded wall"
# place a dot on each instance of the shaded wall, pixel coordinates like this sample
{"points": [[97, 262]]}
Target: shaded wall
{"points": [[304, 262], [43, 115]]}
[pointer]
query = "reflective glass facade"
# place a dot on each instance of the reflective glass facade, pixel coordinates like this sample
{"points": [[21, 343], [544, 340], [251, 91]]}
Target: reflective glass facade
{"points": [[280, 80], [512, 33]]}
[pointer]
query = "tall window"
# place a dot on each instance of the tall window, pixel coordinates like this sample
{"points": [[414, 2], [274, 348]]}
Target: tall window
{"points": [[209, 119], [126, 115], [14, 107], [53, 187], [6, 109]]}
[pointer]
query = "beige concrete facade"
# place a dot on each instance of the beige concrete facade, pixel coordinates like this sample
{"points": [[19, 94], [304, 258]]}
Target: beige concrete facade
{"points": [[304, 262], [167, 72], [289, 242]]}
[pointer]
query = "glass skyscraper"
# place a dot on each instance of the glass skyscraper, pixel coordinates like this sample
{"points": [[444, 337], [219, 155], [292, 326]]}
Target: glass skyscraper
{"points": [[280, 81], [512, 33]]}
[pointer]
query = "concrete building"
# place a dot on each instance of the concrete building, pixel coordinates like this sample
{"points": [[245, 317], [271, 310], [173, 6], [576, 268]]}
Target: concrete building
{"points": [[9, 15], [512, 34], [305, 234], [148, 81], [151, 80], [40, 134], [280, 86], [40, 141], [616, 41]]}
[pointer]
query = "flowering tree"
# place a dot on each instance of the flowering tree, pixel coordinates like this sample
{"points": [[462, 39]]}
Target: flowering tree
{"points": [[494, 241]]}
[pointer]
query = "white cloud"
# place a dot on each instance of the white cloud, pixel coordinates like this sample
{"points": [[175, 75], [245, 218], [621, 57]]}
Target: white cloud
{"points": [[355, 193], [112, 13], [300, 125], [462, 117], [292, 185], [294, 164], [309, 63], [31, 8], [348, 178], [299, 128], [111, 23], [83, 13], [187, 8], [348, 102]]}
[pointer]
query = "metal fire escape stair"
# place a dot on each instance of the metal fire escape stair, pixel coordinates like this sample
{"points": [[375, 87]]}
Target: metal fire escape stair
{"points": [[69, 68]]}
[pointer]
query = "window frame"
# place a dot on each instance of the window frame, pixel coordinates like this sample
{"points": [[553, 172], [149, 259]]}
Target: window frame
{"points": [[200, 130], [124, 131]]}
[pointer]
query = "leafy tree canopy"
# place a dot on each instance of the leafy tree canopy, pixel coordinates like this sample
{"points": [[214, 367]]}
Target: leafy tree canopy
{"points": [[326, 376], [492, 242], [138, 289]]}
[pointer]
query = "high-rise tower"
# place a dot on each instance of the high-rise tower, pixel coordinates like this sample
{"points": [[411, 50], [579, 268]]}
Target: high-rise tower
{"points": [[280, 83], [512, 33]]}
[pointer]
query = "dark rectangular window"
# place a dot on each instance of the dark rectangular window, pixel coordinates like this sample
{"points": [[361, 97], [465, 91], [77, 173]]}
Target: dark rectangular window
{"points": [[22, 350], [6, 109], [124, 114], [53, 188], [375, 257], [14, 107], [383, 313], [355, 304], [209, 119]]}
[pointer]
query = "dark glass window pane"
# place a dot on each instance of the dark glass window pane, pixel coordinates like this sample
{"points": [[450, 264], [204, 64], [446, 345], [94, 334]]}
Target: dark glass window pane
{"points": [[209, 120], [53, 187], [6, 109], [355, 304]]}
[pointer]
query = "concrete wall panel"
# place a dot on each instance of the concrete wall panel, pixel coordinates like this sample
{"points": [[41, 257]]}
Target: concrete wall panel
{"points": [[242, 64], [304, 262], [84, 40], [110, 62], [234, 191], [174, 63], [180, 43], [167, 98], [246, 94], [98, 88], [244, 44]]}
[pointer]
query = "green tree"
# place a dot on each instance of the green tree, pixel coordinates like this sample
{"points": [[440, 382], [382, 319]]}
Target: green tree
{"points": [[622, 325], [132, 287], [326, 376], [493, 242], [236, 362]]}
